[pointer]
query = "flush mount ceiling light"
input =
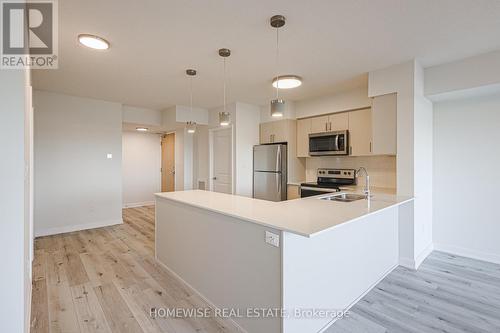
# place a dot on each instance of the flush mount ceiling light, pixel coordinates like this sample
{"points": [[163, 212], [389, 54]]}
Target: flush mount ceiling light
{"points": [[277, 105], [191, 125], [142, 129], [287, 82], [224, 116], [93, 42]]}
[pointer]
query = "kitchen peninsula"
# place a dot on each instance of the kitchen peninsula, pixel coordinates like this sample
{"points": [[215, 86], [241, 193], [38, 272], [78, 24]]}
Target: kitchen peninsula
{"points": [[239, 252]]}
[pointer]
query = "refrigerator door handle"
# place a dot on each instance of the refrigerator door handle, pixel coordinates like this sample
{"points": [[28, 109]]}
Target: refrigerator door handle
{"points": [[278, 183], [278, 159]]}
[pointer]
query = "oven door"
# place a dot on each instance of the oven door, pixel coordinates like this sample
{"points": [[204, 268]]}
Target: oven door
{"points": [[306, 191], [331, 143]]}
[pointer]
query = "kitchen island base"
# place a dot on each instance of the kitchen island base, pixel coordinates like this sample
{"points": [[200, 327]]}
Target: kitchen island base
{"points": [[228, 262]]}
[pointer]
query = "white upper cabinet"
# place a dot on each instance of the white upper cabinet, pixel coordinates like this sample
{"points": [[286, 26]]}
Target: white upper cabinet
{"points": [[360, 132], [303, 131], [333, 122], [274, 131], [338, 121], [372, 131], [319, 124], [384, 124]]}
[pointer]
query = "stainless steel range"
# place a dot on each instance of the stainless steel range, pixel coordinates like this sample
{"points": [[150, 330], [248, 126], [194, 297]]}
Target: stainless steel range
{"points": [[328, 181]]}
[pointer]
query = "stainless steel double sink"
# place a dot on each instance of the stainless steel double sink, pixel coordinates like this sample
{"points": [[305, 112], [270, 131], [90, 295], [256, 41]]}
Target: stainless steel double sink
{"points": [[344, 197]]}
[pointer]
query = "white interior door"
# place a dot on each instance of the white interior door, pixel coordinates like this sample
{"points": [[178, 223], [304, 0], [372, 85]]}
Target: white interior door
{"points": [[222, 161]]}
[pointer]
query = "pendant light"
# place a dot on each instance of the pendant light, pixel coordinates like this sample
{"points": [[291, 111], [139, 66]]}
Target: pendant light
{"points": [[191, 125], [224, 116], [277, 105]]}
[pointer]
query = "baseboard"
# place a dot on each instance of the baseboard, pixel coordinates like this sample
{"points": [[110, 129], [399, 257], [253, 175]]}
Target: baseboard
{"points": [[27, 318], [359, 297], [424, 254], [78, 227], [469, 253], [138, 204], [210, 304], [414, 264], [407, 263]]}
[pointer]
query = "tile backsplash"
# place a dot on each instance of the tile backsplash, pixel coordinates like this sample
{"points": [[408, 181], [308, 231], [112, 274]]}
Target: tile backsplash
{"points": [[382, 169]]}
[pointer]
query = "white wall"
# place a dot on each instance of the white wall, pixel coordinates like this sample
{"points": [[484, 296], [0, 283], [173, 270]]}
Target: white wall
{"points": [[466, 182], [245, 119], [463, 74], [414, 158], [15, 282], [175, 117], [423, 142], [347, 100], [246, 136], [76, 185], [188, 159], [141, 156], [184, 151], [382, 169], [201, 156], [185, 114], [142, 116]]}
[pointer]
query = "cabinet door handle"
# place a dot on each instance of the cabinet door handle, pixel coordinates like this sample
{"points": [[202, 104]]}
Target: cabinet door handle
{"points": [[370, 146], [350, 150], [330, 126], [326, 127]]}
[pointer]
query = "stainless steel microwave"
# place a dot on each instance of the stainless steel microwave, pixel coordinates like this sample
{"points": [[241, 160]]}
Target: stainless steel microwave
{"points": [[330, 143]]}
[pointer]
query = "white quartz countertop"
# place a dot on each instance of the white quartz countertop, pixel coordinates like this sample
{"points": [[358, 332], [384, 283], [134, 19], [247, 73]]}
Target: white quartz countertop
{"points": [[306, 216]]}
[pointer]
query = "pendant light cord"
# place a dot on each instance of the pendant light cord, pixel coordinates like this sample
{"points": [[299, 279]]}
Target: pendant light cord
{"points": [[224, 85], [277, 62], [191, 95]]}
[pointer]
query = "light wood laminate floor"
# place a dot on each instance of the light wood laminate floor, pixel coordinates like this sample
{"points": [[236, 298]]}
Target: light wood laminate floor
{"points": [[447, 294], [106, 280]]}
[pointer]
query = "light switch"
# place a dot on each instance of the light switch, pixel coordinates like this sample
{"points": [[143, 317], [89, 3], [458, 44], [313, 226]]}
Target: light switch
{"points": [[273, 239], [109, 156]]}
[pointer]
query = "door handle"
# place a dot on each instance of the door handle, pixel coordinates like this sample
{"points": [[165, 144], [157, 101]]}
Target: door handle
{"points": [[326, 127], [330, 126], [278, 159], [279, 184]]}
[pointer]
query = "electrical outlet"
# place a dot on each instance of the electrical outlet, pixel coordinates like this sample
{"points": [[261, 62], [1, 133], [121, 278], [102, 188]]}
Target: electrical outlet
{"points": [[272, 239], [109, 156]]}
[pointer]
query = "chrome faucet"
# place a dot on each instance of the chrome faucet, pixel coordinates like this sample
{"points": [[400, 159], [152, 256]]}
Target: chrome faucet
{"points": [[366, 190]]}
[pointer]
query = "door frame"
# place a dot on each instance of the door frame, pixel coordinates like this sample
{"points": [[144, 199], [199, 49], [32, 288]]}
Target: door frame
{"points": [[162, 136], [211, 132]]}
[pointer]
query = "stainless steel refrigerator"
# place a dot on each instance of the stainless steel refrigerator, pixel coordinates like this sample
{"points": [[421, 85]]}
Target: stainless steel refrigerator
{"points": [[270, 172]]}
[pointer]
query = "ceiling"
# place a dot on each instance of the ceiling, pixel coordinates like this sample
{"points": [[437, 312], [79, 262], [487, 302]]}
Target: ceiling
{"points": [[332, 44]]}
